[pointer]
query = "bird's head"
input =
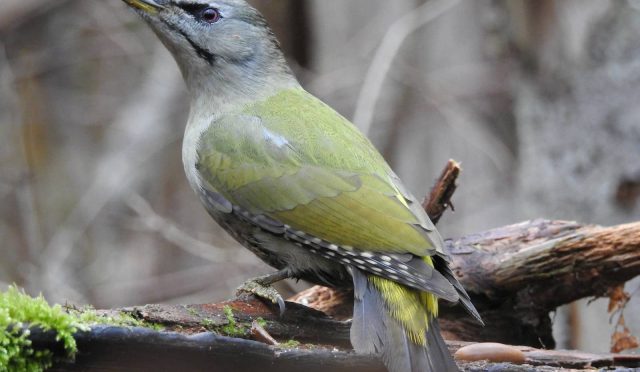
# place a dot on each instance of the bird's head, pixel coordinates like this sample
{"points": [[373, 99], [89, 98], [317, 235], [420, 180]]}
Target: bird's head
{"points": [[218, 44]]}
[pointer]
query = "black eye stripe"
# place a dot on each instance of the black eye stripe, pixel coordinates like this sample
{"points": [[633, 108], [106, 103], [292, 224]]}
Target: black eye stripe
{"points": [[193, 9], [199, 12]]}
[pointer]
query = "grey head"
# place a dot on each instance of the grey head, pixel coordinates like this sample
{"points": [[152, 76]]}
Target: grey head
{"points": [[223, 47]]}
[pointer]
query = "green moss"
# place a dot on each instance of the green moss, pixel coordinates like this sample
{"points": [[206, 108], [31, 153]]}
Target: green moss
{"points": [[208, 323], [261, 322], [19, 311], [192, 311], [291, 344], [90, 316], [232, 328]]}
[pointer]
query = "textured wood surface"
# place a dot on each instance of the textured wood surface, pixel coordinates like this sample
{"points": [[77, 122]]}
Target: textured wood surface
{"points": [[141, 349], [517, 274]]}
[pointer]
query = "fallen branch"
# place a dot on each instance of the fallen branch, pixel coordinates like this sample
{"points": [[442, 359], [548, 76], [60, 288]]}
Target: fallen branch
{"points": [[517, 274], [140, 349]]}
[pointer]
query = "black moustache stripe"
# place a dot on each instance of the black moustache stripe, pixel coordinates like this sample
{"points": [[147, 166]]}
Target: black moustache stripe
{"points": [[200, 51]]}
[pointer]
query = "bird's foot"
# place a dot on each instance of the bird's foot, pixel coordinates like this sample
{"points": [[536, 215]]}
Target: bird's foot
{"points": [[261, 287]]}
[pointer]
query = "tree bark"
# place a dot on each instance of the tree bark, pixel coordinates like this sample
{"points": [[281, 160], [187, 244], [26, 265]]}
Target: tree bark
{"points": [[191, 348], [517, 274]]}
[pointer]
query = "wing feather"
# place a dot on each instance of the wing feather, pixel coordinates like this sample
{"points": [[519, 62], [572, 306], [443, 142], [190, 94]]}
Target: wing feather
{"points": [[312, 172]]}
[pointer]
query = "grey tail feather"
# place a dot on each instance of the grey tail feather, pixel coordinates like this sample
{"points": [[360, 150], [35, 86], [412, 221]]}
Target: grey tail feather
{"points": [[373, 330], [437, 349], [368, 326], [464, 299]]}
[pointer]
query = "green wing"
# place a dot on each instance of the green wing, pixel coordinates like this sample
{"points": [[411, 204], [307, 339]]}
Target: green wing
{"points": [[297, 161]]}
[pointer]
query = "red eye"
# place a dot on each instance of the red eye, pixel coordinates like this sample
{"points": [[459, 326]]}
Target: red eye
{"points": [[210, 15]]}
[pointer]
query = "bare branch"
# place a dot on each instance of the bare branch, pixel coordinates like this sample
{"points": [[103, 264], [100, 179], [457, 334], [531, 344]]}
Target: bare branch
{"points": [[170, 232], [386, 53], [439, 200], [139, 132]]}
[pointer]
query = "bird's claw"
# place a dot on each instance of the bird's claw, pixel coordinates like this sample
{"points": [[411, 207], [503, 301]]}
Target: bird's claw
{"points": [[263, 291]]}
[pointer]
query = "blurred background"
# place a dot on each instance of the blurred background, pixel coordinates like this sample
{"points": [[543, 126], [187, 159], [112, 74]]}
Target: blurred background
{"points": [[539, 100]]}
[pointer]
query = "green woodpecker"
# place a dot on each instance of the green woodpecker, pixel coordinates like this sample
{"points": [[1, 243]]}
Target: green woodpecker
{"points": [[301, 187]]}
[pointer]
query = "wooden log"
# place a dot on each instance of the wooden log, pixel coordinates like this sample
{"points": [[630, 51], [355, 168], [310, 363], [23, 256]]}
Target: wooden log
{"points": [[298, 322], [107, 348], [517, 274]]}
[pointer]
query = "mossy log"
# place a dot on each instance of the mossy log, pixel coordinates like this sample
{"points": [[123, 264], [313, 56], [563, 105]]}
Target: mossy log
{"points": [[108, 348], [516, 275]]}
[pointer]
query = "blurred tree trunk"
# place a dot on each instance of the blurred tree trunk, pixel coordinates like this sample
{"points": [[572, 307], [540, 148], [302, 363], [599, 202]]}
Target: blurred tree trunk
{"points": [[577, 114]]}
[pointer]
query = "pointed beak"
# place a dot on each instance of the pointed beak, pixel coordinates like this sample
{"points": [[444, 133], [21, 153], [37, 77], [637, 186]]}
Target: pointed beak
{"points": [[149, 6]]}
